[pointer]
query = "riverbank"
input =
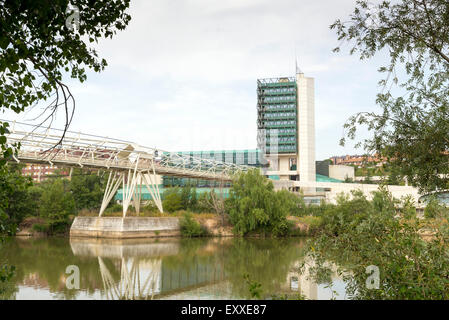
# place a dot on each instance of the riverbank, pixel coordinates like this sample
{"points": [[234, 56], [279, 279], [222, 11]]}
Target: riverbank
{"points": [[156, 227], [32, 227]]}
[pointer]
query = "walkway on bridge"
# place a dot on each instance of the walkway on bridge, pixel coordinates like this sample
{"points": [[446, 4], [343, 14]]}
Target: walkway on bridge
{"points": [[129, 164]]}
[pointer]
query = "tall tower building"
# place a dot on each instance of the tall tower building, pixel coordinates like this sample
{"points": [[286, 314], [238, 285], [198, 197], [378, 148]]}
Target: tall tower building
{"points": [[286, 126], [306, 127]]}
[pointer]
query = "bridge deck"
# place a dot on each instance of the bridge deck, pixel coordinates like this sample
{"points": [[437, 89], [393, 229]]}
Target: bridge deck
{"points": [[43, 145]]}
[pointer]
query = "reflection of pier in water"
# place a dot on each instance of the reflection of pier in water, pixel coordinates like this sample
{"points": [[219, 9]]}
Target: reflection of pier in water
{"points": [[139, 269]]}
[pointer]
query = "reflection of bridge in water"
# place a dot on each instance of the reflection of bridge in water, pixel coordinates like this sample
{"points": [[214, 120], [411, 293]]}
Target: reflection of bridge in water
{"points": [[133, 270], [141, 269]]}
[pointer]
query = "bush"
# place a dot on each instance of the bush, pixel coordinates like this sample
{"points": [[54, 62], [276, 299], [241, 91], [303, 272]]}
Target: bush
{"points": [[434, 209], [60, 227], [150, 207], [41, 227], [172, 200], [114, 208], [314, 223], [407, 207], [190, 227], [316, 210], [53, 228]]}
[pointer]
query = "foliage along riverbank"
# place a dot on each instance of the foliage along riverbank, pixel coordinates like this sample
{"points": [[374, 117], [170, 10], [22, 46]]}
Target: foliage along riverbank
{"points": [[253, 207], [385, 233], [49, 207]]}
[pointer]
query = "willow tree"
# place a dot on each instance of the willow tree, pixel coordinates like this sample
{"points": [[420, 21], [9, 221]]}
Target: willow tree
{"points": [[411, 130], [40, 42]]}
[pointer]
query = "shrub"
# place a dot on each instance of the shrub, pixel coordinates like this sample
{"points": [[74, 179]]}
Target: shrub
{"points": [[172, 200], [52, 228], [150, 207], [41, 227], [314, 223], [316, 210], [190, 227], [434, 209], [114, 208], [59, 227], [407, 207]]}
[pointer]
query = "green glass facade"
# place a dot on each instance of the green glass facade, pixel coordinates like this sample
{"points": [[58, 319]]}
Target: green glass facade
{"points": [[146, 195], [240, 157], [277, 113]]}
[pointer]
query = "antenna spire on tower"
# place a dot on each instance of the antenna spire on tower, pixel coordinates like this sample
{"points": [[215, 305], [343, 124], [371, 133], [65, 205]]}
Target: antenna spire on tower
{"points": [[298, 69]]}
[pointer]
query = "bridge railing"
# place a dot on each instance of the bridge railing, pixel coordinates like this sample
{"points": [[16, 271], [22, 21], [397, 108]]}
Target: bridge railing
{"points": [[41, 144]]}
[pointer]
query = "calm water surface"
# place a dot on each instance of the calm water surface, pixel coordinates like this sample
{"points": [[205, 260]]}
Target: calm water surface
{"points": [[159, 269]]}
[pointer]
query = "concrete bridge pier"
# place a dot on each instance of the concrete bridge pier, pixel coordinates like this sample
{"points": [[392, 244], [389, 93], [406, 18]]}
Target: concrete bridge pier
{"points": [[125, 228]]}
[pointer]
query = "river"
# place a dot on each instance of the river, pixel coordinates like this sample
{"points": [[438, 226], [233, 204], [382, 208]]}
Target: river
{"points": [[207, 268]]}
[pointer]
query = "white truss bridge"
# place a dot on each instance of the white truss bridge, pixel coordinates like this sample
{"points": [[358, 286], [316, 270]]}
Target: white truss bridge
{"points": [[129, 164]]}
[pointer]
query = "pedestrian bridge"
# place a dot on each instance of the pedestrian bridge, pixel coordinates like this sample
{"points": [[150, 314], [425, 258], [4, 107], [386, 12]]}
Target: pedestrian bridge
{"points": [[129, 164]]}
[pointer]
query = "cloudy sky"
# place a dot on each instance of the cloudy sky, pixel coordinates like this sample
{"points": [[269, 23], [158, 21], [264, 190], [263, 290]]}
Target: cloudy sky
{"points": [[182, 76]]}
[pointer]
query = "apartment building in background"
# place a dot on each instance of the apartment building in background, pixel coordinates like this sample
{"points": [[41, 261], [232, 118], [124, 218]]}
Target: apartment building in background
{"points": [[40, 172]]}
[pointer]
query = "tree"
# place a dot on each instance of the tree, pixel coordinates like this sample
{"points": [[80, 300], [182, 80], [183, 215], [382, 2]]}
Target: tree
{"points": [[172, 200], [212, 201], [181, 198], [87, 189], [394, 176], [15, 200], [253, 205], [184, 193], [434, 209], [368, 179], [412, 131], [39, 44], [14, 205], [193, 201], [57, 202]]}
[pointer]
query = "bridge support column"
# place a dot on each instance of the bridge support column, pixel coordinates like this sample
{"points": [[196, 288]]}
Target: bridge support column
{"points": [[111, 189], [137, 197], [129, 188], [128, 191], [151, 183], [132, 189]]}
